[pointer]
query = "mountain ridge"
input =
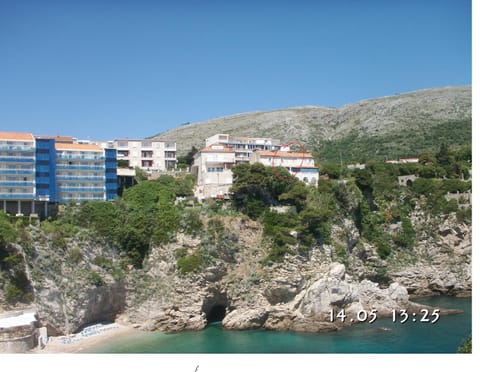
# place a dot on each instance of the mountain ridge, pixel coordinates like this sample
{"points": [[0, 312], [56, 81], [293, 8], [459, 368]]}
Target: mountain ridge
{"points": [[412, 111]]}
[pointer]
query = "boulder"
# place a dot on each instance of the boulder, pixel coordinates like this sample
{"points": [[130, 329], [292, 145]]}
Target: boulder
{"points": [[241, 319]]}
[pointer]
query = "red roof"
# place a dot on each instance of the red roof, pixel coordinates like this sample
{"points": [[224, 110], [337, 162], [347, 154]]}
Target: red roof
{"points": [[222, 148], [16, 136], [77, 146], [285, 154]]}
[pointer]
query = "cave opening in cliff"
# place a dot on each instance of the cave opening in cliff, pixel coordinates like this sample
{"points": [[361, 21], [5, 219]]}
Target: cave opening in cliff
{"points": [[216, 313]]}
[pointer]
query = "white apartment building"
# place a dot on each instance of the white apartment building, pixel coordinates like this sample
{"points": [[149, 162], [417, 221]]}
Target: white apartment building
{"points": [[17, 167], [301, 165], [244, 146], [149, 155], [213, 167]]}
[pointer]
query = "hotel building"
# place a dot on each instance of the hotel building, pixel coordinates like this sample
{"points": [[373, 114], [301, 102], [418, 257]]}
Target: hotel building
{"points": [[85, 172], [244, 146], [212, 165], [17, 170], [38, 171], [149, 155]]}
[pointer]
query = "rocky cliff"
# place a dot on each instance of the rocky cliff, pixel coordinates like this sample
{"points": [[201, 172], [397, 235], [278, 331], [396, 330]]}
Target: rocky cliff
{"points": [[77, 282], [298, 293]]}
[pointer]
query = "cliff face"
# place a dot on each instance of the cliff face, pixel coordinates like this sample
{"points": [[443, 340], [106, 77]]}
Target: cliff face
{"points": [[443, 264], [298, 293], [78, 282], [72, 280]]}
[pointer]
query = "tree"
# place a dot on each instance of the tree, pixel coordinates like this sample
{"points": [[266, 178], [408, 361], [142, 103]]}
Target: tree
{"points": [[464, 153], [296, 196], [8, 234], [363, 179], [256, 187], [426, 158], [188, 158], [333, 170], [140, 175], [443, 155], [122, 163]]}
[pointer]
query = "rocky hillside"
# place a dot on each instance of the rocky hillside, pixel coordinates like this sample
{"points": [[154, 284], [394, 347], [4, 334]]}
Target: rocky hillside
{"points": [[78, 282], [411, 112]]}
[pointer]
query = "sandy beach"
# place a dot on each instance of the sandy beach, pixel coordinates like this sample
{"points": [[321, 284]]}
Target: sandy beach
{"points": [[79, 343]]}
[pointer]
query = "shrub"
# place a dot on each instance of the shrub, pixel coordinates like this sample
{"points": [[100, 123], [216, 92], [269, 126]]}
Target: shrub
{"points": [[13, 294], [75, 255], [189, 263], [103, 262], [406, 238], [95, 279], [8, 234], [275, 254], [383, 248], [181, 252], [342, 255], [191, 222], [118, 274], [464, 215]]}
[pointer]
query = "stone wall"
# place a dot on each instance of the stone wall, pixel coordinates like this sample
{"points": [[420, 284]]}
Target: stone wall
{"points": [[18, 339]]}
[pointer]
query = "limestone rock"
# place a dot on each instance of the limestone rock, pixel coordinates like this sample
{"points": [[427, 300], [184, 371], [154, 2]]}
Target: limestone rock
{"points": [[331, 292], [283, 289], [241, 319]]}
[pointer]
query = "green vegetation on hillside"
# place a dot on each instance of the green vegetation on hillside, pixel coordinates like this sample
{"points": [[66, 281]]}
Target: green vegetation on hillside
{"points": [[146, 214], [373, 197], [355, 147], [13, 279]]}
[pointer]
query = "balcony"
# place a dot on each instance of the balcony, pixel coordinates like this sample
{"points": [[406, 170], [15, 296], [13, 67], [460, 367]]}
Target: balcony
{"points": [[79, 167], [17, 171], [80, 157], [17, 159], [81, 189], [17, 148], [17, 184], [17, 196], [79, 178], [219, 159]]}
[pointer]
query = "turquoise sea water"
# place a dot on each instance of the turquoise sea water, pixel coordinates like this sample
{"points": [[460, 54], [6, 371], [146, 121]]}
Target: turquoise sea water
{"points": [[383, 336]]}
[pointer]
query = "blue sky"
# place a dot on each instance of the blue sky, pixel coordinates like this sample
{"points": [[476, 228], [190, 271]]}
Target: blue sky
{"points": [[114, 69]]}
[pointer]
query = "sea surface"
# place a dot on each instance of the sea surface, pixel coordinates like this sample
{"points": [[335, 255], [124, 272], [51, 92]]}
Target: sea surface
{"points": [[382, 336]]}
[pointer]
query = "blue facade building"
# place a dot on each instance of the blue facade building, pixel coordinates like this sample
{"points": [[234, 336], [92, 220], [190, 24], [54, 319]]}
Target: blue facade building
{"points": [[111, 184], [45, 169], [36, 172]]}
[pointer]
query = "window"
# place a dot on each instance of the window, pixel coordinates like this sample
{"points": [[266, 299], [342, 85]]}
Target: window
{"points": [[215, 169]]}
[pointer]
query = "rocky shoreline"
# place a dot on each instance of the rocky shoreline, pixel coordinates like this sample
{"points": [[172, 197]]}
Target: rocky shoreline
{"points": [[296, 294]]}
